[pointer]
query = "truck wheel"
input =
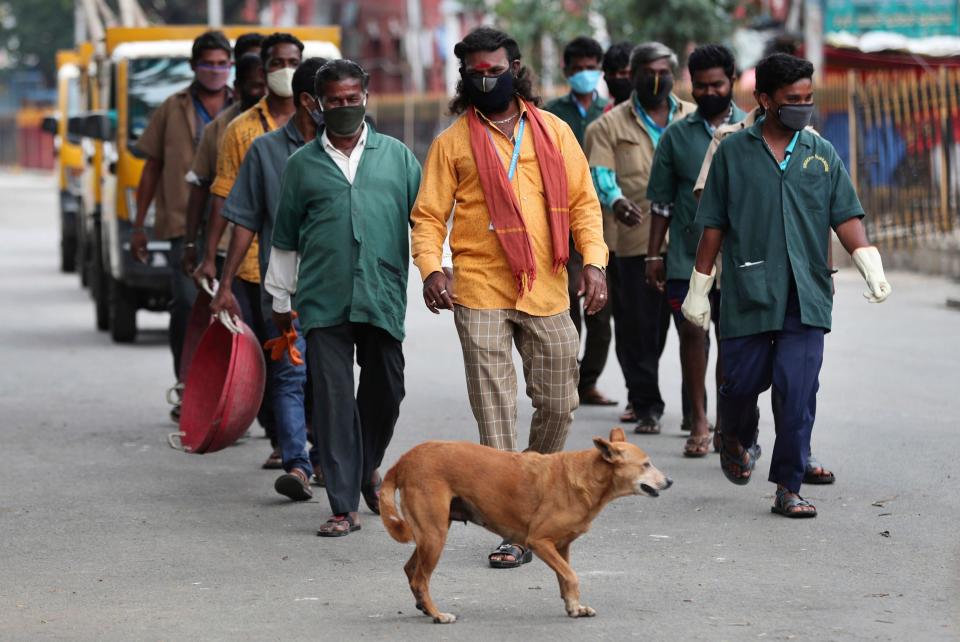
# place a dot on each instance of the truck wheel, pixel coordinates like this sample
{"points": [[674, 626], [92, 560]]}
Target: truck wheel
{"points": [[68, 253], [123, 313], [99, 286]]}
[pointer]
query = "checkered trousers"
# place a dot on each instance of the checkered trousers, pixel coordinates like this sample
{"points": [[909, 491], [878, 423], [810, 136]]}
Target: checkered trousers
{"points": [[548, 348]]}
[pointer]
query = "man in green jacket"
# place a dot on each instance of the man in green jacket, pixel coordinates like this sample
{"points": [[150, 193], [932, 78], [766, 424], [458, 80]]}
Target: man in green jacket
{"points": [[343, 214], [582, 60], [676, 165], [773, 193]]}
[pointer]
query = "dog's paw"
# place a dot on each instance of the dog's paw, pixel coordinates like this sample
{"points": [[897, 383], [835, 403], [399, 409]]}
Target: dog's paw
{"points": [[445, 618], [579, 610]]}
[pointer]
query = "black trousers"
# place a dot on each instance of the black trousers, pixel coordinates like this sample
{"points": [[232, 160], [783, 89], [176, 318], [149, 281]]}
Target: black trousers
{"points": [[641, 320], [597, 344], [352, 433]]}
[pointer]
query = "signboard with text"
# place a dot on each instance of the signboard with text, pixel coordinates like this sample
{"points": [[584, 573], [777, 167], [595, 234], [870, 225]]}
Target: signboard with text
{"points": [[911, 18]]}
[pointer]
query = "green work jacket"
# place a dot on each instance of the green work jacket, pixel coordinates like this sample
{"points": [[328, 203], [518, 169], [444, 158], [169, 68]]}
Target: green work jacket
{"points": [[776, 225], [569, 112], [676, 167], [353, 240]]}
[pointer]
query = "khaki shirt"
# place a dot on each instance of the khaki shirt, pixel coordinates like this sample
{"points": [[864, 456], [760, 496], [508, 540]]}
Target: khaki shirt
{"points": [[618, 140], [722, 132], [171, 139]]}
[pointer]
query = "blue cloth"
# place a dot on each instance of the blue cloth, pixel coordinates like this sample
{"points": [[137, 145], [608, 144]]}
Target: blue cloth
{"points": [[788, 359], [650, 124], [287, 385], [605, 182]]}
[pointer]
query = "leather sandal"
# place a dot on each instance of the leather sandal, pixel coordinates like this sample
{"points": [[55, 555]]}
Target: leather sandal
{"points": [[519, 554], [371, 492], [815, 473], [334, 527], [294, 485], [789, 506], [593, 397]]}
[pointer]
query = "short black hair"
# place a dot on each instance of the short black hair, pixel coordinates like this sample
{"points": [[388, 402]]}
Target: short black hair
{"points": [[710, 57], [275, 39], [490, 39], [247, 64], [779, 70], [305, 75], [245, 43], [210, 40], [339, 70], [582, 47], [617, 56]]}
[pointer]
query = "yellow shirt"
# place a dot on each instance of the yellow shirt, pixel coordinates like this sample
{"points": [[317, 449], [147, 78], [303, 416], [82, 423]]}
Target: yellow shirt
{"points": [[481, 272], [237, 139]]}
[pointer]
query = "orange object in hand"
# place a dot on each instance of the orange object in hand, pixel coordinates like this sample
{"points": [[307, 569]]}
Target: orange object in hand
{"points": [[287, 342]]}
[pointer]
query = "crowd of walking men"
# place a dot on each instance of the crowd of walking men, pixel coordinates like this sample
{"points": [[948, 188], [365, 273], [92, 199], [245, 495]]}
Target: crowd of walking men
{"points": [[557, 218]]}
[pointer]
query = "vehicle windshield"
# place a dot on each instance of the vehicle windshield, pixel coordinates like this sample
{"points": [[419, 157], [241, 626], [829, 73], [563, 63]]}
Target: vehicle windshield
{"points": [[151, 81]]}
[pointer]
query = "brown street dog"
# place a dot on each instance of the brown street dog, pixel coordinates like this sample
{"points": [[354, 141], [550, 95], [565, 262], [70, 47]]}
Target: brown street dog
{"points": [[543, 502]]}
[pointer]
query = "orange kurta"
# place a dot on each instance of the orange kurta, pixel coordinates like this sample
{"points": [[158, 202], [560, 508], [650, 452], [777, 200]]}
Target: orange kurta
{"points": [[451, 185]]}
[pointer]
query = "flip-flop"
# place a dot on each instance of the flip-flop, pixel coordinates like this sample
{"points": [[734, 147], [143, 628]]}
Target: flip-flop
{"points": [[336, 519], [728, 461], [594, 397], [520, 555], [787, 506], [811, 476], [628, 416], [697, 446], [647, 426]]}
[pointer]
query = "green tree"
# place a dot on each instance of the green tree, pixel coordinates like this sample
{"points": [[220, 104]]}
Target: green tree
{"points": [[675, 23], [31, 31]]}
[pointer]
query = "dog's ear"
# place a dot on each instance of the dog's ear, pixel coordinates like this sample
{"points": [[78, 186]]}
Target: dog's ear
{"points": [[616, 434], [608, 451]]}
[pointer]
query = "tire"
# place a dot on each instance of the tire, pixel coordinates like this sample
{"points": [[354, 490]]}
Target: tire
{"points": [[68, 253], [99, 286], [123, 313]]}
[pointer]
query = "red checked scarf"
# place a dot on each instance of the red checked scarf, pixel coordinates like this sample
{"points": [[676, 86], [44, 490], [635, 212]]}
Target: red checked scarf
{"points": [[502, 201]]}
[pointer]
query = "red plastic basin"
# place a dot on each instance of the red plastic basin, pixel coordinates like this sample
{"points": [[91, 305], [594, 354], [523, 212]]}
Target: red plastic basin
{"points": [[224, 389], [197, 324]]}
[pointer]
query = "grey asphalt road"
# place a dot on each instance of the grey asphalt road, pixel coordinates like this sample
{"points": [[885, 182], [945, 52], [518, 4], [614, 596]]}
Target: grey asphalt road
{"points": [[107, 533]]}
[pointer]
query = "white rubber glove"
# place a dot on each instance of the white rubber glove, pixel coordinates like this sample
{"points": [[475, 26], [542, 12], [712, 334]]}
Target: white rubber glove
{"points": [[867, 260], [696, 306]]}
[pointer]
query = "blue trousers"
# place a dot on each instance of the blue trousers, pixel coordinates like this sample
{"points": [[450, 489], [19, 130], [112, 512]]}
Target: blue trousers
{"points": [[287, 387], [790, 361]]}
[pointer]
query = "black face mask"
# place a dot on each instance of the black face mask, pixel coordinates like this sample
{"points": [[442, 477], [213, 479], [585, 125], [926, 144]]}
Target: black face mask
{"points": [[489, 94], [711, 105], [795, 117], [619, 89], [653, 89]]}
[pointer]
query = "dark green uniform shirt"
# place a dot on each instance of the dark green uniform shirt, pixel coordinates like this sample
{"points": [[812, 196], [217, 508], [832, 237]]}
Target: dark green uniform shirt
{"points": [[353, 240], [676, 167], [776, 227], [568, 110]]}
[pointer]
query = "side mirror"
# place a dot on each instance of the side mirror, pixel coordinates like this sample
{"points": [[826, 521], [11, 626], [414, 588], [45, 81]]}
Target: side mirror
{"points": [[75, 130], [98, 126], [50, 125]]}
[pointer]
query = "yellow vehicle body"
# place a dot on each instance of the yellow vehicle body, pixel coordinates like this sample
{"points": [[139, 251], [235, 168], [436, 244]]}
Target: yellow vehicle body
{"points": [[139, 67], [69, 155]]}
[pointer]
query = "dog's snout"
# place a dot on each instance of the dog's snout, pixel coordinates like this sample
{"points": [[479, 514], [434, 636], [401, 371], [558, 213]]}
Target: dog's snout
{"points": [[667, 483]]}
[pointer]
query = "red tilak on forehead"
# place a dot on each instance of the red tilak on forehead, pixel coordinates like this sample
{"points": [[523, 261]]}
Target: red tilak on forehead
{"points": [[482, 65]]}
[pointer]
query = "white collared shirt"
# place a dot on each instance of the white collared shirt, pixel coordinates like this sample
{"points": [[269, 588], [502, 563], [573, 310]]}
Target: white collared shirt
{"points": [[347, 164], [281, 278]]}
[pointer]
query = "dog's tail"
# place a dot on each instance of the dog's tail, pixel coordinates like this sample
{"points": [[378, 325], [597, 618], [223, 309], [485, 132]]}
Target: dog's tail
{"points": [[398, 529]]}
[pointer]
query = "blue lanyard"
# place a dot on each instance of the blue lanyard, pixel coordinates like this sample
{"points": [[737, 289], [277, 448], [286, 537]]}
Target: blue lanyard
{"points": [[516, 149]]}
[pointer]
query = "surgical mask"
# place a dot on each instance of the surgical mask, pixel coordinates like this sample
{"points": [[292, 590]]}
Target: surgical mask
{"points": [[584, 82], [711, 105], [212, 78], [795, 117], [619, 88], [280, 82], [653, 89], [344, 121], [490, 95], [317, 117]]}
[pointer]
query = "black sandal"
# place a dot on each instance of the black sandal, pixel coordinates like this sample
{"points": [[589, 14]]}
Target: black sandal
{"points": [[736, 459], [371, 492], [811, 476], [789, 506], [520, 556]]}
